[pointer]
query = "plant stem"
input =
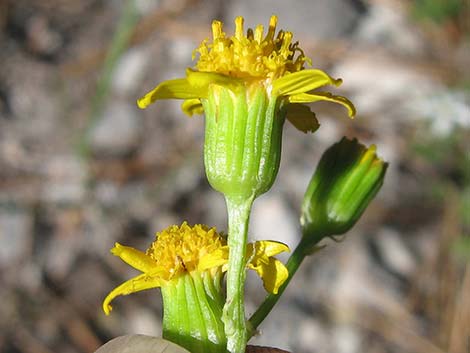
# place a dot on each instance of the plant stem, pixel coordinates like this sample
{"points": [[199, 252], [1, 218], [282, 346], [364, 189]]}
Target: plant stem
{"points": [[305, 248], [234, 309]]}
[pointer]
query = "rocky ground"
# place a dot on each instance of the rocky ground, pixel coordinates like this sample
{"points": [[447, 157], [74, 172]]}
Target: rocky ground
{"points": [[81, 167]]}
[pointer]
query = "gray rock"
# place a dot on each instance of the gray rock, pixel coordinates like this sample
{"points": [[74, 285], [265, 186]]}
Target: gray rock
{"points": [[311, 19], [144, 7], [118, 131], [355, 282], [377, 81], [61, 253], [346, 339], [101, 230], [161, 221], [41, 38], [394, 252], [130, 70], [33, 105], [388, 26], [65, 177], [311, 333], [15, 236], [445, 110], [107, 193], [29, 277], [276, 330], [180, 51], [143, 321], [216, 210], [273, 220]]}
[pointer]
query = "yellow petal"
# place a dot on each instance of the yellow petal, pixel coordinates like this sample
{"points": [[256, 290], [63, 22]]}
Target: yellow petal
{"points": [[178, 88], [259, 255], [134, 258], [273, 273], [324, 96], [303, 81], [302, 117], [265, 248], [136, 284], [192, 106], [201, 80], [216, 258]]}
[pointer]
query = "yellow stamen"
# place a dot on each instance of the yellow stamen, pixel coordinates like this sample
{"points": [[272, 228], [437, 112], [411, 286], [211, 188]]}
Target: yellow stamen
{"points": [[179, 248], [217, 30], [239, 27], [251, 55], [272, 28], [259, 33]]}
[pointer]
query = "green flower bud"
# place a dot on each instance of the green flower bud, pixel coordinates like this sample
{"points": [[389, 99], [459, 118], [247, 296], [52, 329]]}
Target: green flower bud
{"points": [[346, 180]]}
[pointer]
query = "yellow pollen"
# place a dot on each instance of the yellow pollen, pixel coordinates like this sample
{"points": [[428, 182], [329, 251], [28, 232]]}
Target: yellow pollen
{"points": [[178, 249], [250, 55]]}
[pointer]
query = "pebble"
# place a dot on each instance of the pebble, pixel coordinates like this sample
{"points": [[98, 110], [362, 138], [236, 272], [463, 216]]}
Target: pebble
{"points": [[272, 219], [65, 178], [380, 82], [130, 71], [64, 247], [144, 7], [107, 193], [315, 19], [394, 252], [387, 26], [216, 210], [276, 330], [180, 51], [118, 132], [311, 333], [41, 38], [346, 339], [142, 321], [15, 235], [446, 110], [356, 282]]}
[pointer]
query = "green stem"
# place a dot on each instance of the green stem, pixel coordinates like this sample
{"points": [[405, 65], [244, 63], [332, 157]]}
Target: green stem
{"points": [[302, 250], [234, 309]]}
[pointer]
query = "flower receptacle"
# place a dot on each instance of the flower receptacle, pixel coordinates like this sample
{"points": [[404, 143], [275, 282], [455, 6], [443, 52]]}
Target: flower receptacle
{"points": [[243, 135], [192, 312]]}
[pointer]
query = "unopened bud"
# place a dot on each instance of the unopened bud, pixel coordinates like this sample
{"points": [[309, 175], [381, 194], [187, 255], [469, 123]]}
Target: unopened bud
{"points": [[346, 180]]}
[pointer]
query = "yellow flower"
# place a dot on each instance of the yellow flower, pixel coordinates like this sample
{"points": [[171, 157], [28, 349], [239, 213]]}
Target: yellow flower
{"points": [[247, 85], [253, 60], [197, 251]]}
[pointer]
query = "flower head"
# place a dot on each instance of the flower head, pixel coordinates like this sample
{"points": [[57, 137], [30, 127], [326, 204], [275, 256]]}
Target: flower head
{"points": [[248, 85], [273, 61], [197, 251]]}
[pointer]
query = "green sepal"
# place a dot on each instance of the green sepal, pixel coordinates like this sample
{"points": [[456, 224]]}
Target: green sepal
{"points": [[242, 147], [192, 312]]}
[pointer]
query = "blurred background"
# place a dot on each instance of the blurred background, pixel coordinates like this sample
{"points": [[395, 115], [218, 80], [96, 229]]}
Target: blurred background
{"points": [[81, 168]]}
